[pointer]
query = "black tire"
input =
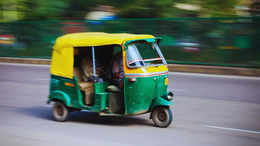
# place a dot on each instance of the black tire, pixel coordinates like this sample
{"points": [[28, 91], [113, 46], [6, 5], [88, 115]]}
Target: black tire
{"points": [[162, 117], [60, 112]]}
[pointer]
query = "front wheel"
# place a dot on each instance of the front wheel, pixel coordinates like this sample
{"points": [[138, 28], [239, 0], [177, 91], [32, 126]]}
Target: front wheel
{"points": [[60, 112], [162, 117]]}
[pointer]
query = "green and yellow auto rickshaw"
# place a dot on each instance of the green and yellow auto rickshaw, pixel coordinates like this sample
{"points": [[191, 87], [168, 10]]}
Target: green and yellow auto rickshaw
{"points": [[114, 74]]}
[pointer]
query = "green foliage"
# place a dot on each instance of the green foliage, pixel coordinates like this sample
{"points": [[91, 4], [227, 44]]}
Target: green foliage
{"points": [[42, 9], [146, 8], [219, 7], [77, 9]]}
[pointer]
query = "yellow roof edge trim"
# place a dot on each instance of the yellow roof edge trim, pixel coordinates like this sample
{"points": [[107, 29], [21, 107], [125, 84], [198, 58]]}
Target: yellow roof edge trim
{"points": [[88, 39]]}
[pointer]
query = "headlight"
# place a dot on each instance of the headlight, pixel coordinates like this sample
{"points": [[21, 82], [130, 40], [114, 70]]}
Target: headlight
{"points": [[170, 96]]}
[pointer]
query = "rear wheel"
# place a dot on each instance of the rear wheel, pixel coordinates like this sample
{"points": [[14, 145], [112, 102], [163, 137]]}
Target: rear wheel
{"points": [[162, 117], [60, 112]]}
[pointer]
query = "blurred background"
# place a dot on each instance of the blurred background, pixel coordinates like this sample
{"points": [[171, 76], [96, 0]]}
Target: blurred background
{"points": [[205, 32]]}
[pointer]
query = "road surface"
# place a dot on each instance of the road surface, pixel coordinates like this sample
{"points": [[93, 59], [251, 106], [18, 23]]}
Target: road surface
{"points": [[209, 110]]}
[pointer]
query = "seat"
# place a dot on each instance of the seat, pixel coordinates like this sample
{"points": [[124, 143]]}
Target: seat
{"points": [[87, 87], [113, 88]]}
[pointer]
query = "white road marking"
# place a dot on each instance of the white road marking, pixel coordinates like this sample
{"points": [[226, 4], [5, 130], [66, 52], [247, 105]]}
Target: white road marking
{"points": [[233, 129], [24, 64], [215, 76]]}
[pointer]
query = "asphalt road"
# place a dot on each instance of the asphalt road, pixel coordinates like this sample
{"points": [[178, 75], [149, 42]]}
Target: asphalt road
{"points": [[209, 111]]}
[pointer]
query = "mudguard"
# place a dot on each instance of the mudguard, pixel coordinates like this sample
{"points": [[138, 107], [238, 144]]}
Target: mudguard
{"points": [[61, 96], [160, 102]]}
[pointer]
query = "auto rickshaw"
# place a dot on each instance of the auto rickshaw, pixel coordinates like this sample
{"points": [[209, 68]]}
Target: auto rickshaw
{"points": [[113, 74]]}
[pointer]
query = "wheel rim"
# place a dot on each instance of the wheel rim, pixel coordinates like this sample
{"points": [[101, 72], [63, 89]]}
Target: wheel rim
{"points": [[162, 116], [60, 110]]}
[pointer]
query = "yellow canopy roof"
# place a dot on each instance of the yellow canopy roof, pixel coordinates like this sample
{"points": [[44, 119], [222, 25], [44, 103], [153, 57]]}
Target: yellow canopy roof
{"points": [[96, 39], [63, 52]]}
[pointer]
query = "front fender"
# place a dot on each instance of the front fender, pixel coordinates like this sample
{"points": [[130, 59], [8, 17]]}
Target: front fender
{"points": [[61, 96], [161, 102]]}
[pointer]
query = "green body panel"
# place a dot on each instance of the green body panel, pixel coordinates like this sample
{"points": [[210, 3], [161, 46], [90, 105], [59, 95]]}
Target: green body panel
{"points": [[101, 101], [139, 97], [100, 97], [60, 96], [144, 93], [72, 96], [57, 85]]}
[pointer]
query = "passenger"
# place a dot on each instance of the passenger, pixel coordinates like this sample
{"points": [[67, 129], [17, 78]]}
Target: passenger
{"points": [[89, 79], [87, 68]]}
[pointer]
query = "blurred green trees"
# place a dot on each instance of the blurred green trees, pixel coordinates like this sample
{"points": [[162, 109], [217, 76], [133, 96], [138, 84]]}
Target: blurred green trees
{"points": [[219, 7], [78, 9], [146, 8], [41, 9]]}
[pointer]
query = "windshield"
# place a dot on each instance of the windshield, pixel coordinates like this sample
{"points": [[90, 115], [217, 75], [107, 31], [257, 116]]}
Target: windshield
{"points": [[142, 53]]}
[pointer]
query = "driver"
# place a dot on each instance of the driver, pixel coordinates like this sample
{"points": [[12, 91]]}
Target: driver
{"points": [[117, 69]]}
